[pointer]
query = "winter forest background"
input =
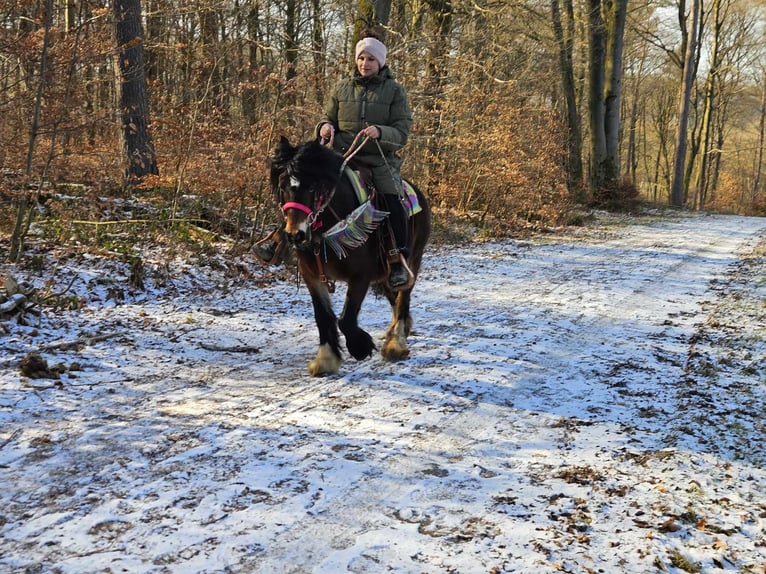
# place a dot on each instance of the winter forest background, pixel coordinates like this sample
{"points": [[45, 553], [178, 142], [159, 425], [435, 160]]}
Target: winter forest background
{"points": [[132, 117]]}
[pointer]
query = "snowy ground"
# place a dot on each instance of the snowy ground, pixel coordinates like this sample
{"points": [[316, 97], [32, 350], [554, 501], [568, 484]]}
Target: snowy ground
{"points": [[572, 404]]}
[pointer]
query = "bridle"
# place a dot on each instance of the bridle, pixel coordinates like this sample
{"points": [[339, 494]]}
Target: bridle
{"points": [[313, 214]]}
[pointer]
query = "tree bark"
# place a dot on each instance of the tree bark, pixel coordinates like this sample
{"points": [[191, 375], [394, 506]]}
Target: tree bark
{"points": [[597, 46], [134, 99], [318, 49], [254, 60], [381, 12], [701, 180], [761, 140], [23, 219], [565, 44], [677, 190], [616, 12]]}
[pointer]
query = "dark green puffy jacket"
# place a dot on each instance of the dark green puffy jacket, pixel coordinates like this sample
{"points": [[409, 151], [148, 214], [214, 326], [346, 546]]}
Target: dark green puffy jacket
{"points": [[358, 102]]}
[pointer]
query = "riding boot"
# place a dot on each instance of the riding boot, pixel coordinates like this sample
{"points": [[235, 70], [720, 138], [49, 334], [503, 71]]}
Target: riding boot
{"points": [[270, 249], [400, 276]]}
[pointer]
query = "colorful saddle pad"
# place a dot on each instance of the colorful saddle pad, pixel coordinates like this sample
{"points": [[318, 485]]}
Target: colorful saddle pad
{"points": [[410, 197]]}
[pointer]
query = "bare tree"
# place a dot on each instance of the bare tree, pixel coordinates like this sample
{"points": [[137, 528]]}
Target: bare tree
{"points": [[23, 211]]}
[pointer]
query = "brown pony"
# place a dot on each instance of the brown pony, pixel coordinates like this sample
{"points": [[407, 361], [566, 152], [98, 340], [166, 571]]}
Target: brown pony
{"points": [[317, 199]]}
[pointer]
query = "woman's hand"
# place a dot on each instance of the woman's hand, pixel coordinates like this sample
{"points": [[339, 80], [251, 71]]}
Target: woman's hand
{"points": [[371, 132], [327, 131]]}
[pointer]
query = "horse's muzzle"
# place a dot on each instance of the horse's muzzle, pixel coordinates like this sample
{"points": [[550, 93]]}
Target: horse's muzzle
{"points": [[300, 240]]}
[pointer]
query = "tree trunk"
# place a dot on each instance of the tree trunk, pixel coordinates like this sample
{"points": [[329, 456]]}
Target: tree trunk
{"points": [[23, 219], [291, 39], [631, 156], [134, 100], [597, 45], [249, 95], [616, 11], [701, 180], [684, 104], [436, 72], [381, 12], [761, 142], [318, 49], [209, 79], [154, 35], [565, 44]]}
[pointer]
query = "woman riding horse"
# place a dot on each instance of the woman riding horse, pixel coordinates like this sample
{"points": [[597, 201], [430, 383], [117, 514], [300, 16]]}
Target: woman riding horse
{"points": [[336, 236], [373, 104]]}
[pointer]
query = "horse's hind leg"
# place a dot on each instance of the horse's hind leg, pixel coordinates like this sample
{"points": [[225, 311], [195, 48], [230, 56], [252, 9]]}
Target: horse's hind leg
{"points": [[328, 357], [358, 341], [395, 347]]}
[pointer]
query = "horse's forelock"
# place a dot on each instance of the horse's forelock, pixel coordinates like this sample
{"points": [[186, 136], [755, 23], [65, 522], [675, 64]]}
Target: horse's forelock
{"points": [[316, 162]]}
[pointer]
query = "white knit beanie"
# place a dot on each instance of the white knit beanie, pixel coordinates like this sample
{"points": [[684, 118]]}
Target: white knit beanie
{"points": [[374, 48]]}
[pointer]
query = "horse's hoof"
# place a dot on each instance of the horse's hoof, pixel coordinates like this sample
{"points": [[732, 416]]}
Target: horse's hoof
{"points": [[360, 345], [393, 351], [325, 363]]}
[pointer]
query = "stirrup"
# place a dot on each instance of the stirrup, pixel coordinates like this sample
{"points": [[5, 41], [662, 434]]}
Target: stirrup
{"points": [[410, 275], [269, 250]]}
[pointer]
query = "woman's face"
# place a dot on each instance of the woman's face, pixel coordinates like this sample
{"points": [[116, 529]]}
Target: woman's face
{"points": [[367, 65]]}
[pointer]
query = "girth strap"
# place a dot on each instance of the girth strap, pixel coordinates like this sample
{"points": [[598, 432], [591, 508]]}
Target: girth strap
{"points": [[329, 283]]}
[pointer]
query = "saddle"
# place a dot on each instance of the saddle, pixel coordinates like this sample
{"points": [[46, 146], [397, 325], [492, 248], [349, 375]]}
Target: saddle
{"points": [[360, 177]]}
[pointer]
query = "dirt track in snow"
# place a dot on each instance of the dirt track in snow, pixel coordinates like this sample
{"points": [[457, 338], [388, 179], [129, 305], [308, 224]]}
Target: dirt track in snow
{"points": [[579, 404]]}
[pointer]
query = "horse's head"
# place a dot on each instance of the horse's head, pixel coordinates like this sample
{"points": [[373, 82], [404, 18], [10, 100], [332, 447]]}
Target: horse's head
{"points": [[303, 179]]}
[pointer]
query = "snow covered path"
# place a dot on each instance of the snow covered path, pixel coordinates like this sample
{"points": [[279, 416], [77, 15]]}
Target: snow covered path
{"points": [[573, 405]]}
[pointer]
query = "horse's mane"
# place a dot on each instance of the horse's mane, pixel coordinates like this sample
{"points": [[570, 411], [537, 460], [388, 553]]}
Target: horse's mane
{"points": [[310, 161]]}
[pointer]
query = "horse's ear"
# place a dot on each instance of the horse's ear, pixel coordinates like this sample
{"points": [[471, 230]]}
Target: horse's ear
{"points": [[284, 151]]}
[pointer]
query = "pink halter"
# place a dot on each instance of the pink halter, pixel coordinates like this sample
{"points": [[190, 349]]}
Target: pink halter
{"points": [[298, 206]]}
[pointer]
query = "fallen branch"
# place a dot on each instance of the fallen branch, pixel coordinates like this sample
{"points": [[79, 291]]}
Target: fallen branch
{"points": [[14, 303], [14, 435], [234, 349], [66, 345]]}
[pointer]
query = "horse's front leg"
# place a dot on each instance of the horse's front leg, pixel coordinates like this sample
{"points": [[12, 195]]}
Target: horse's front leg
{"points": [[328, 358], [358, 341]]}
